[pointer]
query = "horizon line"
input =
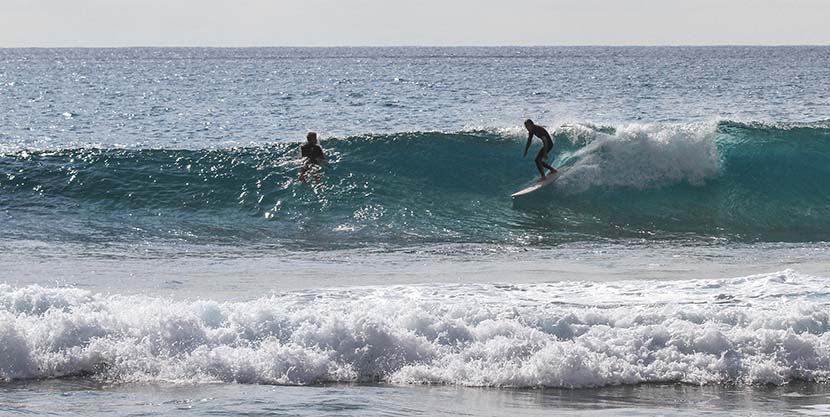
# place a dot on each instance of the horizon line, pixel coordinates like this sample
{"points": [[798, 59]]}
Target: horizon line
{"points": [[422, 46]]}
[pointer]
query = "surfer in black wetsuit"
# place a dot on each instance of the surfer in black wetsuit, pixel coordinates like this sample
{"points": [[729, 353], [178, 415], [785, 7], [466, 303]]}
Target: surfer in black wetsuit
{"points": [[547, 146], [313, 154], [311, 150]]}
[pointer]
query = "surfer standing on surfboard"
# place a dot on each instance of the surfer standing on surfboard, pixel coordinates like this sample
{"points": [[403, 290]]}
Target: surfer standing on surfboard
{"points": [[547, 146]]}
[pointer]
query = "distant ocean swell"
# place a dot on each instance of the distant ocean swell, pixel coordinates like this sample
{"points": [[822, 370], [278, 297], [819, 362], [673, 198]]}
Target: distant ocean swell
{"points": [[741, 181], [763, 329]]}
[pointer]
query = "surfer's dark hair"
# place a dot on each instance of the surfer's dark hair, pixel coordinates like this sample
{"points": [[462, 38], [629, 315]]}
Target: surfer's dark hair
{"points": [[529, 121]]}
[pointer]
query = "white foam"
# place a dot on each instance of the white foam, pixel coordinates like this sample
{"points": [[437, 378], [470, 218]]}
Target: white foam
{"points": [[640, 156], [770, 328]]}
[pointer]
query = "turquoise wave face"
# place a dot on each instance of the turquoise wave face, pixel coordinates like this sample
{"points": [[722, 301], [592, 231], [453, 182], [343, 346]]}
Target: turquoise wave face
{"points": [[743, 182]]}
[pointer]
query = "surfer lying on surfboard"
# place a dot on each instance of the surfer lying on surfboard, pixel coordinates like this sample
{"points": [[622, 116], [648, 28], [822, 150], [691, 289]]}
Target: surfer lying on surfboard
{"points": [[547, 146]]}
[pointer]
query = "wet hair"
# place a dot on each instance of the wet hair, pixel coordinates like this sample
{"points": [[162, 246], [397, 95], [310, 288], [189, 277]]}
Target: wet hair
{"points": [[529, 122], [311, 136]]}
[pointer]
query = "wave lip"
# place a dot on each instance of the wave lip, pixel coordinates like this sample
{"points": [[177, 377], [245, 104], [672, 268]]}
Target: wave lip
{"points": [[764, 329]]}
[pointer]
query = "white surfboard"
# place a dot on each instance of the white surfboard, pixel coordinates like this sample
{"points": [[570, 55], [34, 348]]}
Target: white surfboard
{"points": [[537, 185]]}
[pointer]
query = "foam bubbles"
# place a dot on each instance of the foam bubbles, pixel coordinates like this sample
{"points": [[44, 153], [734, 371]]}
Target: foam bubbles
{"points": [[773, 329], [641, 156]]}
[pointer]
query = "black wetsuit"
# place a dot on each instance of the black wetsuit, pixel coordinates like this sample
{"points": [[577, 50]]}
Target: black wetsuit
{"points": [[313, 152], [543, 134], [547, 146]]}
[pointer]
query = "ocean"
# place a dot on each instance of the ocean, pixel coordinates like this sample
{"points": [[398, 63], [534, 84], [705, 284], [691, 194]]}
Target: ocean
{"points": [[161, 255]]}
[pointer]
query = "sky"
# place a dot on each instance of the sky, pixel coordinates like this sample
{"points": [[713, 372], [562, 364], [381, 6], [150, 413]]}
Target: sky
{"points": [[236, 23]]}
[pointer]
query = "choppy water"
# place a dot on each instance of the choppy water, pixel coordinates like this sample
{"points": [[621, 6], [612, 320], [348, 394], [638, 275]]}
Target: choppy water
{"points": [[154, 231]]}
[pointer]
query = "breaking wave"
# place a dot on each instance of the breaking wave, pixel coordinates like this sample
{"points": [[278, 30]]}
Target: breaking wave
{"points": [[763, 329], [741, 181]]}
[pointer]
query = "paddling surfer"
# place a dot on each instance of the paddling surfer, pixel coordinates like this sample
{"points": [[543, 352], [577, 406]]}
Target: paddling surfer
{"points": [[312, 150], [313, 155], [547, 146]]}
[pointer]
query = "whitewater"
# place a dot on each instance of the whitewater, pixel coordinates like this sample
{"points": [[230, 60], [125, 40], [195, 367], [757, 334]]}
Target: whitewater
{"points": [[544, 335], [160, 254]]}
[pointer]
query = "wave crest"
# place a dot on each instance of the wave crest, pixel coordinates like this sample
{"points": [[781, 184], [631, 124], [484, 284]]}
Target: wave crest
{"points": [[642, 156]]}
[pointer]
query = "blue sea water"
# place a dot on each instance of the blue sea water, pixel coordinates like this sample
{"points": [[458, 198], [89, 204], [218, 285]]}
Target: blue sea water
{"points": [[161, 254]]}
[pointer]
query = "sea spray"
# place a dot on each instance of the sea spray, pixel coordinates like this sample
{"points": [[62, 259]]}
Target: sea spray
{"points": [[641, 157]]}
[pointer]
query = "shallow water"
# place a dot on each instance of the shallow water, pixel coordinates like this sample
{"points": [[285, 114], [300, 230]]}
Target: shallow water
{"points": [[73, 397]]}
